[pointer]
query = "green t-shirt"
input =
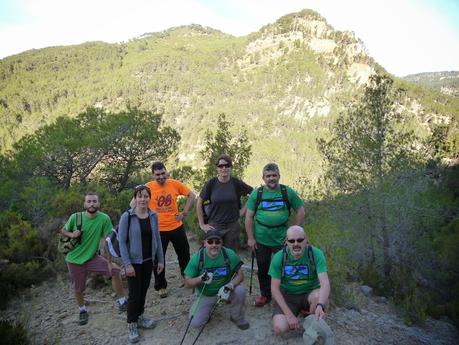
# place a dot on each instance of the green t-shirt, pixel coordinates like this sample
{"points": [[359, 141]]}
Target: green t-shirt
{"points": [[217, 266], [272, 211], [298, 274], [93, 229]]}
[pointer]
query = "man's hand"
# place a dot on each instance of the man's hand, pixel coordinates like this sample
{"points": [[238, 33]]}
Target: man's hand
{"points": [[76, 234], [207, 277], [160, 268], [292, 321], [252, 244], [319, 312], [224, 293], [130, 272], [180, 216]]}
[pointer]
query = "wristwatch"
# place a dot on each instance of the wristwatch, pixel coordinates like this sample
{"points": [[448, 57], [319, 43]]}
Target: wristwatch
{"points": [[322, 305]]}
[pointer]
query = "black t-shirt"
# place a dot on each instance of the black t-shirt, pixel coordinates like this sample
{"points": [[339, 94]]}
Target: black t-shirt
{"points": [[224, 199], [145, 228]]}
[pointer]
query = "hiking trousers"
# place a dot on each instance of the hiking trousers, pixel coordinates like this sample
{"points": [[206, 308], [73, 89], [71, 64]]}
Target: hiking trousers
{"points": [[206, 304], [182, 249], [264, 255], [138, 287]]}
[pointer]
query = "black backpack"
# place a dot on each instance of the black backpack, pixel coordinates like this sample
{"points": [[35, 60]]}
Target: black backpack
{"points": [[284, 199], [112, 242]]}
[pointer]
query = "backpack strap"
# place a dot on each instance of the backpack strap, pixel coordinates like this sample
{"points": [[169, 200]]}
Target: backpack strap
{"points": [[284, 260], [258, 201], [285, 198], [311, 258], [79, 221]]}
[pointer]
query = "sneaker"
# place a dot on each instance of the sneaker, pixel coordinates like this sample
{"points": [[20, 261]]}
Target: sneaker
{"points": [[260, 301], [162, 293], [122, 307], [241, 324], [146, 323], [83, 318], [134, 336]]}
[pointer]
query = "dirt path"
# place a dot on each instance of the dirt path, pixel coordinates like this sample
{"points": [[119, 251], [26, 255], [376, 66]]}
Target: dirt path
{"points": [[50, 315]]}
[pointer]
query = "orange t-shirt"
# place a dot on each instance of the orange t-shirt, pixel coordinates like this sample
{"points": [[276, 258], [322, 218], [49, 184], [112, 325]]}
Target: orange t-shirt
{"points": [[164, 202]]}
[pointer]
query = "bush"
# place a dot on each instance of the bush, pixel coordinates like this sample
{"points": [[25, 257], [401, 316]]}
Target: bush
{"points": [[13, 333]]}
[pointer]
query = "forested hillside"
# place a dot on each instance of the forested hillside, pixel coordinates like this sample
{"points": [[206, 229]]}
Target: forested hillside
{"points": [[374, 157]]}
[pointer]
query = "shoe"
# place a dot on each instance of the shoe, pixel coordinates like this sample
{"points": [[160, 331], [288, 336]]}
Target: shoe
{"points": [[162, 293], [122, 307], [134, 336], [143, 322], [241, 324], [83, 318], [260, 301]]}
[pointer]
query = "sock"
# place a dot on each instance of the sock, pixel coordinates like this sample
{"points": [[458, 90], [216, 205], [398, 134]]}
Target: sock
{"points": [[122, 300], [82, 308]]}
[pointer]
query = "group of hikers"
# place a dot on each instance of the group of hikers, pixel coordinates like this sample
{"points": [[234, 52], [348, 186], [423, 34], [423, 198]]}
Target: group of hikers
{"points": [[290, 270]]}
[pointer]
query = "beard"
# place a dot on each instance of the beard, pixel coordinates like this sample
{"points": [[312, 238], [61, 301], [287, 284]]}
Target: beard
{"points": [[92, 209]]}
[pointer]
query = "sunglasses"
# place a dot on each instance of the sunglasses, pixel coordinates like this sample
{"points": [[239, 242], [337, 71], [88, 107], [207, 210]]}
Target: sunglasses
{"points": [[141, 187], [293, 240], [212, 241], [224, 166]]}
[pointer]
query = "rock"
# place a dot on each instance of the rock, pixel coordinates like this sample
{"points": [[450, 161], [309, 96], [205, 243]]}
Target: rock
{"points": [[366, 290]]}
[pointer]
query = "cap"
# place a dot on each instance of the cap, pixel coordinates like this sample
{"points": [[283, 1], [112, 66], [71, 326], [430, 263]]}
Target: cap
{"points": [[317, 331], [213, 234]]}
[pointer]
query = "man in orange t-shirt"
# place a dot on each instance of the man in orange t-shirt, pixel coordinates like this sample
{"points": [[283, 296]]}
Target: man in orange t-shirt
{"points": [[164, 194]]}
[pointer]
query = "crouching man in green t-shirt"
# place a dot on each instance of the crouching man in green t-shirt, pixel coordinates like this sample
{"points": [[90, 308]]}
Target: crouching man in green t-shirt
{"points": [[216, 273], [299, 281]]}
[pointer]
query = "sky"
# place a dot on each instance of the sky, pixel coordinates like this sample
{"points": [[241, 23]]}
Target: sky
{"points": [[404, 36]]}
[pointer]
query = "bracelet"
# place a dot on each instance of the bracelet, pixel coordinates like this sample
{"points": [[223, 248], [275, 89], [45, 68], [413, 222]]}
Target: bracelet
{"points": [[321, 305]]}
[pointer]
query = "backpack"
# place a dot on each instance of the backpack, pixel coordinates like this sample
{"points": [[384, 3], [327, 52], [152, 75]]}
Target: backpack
{"points": [[67, 244], [310, 256], [284, 199], [112, 241]]}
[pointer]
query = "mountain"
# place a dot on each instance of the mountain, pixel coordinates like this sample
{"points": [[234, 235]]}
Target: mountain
{"points": [[285, 83], [446, 82]]}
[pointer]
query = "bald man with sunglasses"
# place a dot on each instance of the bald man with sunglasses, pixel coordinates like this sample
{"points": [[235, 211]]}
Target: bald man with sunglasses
{"points": [[298, 281]]}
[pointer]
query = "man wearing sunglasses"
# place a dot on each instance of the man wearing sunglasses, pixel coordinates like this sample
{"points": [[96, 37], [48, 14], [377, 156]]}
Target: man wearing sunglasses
{"points": [[164, 194], [266, 223], [298, 281], [217, 279]]}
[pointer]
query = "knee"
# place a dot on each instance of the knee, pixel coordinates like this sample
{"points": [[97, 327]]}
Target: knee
{"points": [[279, 328], [196, 323]]}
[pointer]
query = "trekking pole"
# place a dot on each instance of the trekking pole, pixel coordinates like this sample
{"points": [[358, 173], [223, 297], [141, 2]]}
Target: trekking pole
{"points": [[251, 273], [193, 312]]}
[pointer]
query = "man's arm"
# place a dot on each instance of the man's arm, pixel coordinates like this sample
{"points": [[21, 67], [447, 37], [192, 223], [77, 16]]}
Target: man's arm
{"points": [[277, 295], [191, 282], [324, 293], [299, 216], [70, 234], [189, 202], [249, 230]]}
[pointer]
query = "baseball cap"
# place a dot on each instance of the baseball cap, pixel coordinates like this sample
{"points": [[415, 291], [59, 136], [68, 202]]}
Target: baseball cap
{"points": [[212, 234]]}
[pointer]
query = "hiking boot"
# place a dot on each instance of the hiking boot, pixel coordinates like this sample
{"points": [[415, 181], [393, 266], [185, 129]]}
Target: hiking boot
{"points": [[146, 323], [134, 336], [121, 307], [162, 293], [83, 317], [241, 324], [260, 301]]}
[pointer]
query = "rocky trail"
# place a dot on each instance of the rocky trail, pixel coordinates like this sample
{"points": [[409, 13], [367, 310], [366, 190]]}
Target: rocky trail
{"points": [[50, 315]]}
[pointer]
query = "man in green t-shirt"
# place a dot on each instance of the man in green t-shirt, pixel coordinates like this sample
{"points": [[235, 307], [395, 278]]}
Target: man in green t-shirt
{"points": [[216, 273], [299, 281], [266, 223], [83, 258]]}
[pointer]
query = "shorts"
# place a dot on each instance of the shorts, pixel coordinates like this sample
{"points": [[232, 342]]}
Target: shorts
{"points": [[78, 273], [294, 302]]}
